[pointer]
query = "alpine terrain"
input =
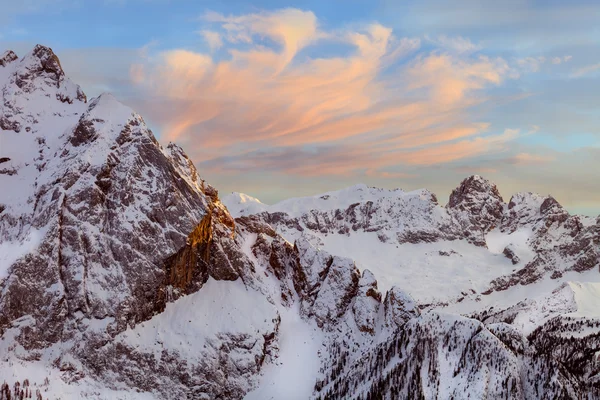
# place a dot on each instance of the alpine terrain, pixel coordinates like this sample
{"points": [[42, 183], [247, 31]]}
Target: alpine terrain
{"points": [[124, 275]]}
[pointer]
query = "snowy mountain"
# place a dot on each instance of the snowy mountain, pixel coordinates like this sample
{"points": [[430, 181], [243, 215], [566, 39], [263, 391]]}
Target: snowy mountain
{"points": [[124, 275]]}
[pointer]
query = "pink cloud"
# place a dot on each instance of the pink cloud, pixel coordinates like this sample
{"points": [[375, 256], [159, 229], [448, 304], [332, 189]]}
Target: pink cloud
{"points": [[266, 97]]}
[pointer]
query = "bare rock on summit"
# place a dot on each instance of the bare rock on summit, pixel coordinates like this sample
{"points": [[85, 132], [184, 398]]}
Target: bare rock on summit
{"points": [[42, 65], [8, 57], [35, 90], [478, 207]]}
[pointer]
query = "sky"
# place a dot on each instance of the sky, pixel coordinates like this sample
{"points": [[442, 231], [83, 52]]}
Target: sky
{"points": [[283, 99]]}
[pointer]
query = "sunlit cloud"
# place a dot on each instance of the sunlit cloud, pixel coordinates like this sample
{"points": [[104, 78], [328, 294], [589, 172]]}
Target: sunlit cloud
{"points": [[381, 104], [212, 38]]}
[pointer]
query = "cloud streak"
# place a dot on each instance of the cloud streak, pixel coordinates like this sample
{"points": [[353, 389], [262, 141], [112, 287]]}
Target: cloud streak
{"points": [[271, 104], [588, 69]]}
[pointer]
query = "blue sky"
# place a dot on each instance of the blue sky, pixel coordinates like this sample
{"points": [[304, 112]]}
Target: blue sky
{"points": [[280, 99]]}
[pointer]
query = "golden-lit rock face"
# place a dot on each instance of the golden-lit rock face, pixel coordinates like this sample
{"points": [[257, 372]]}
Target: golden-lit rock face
{"points": [[182, 266], [210, 251], [201, 237]]}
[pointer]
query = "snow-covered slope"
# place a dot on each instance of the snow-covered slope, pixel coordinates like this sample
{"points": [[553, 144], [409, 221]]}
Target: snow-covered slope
{"points": [[498, 262], [242, 204], [123, 275]]}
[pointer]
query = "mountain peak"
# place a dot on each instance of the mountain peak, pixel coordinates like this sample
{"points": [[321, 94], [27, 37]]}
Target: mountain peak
{"points": [[478, 204], [35, 90], [242, 204], [7, 57], [473, 186], [48, 60], [105, 99], [41, 68]]}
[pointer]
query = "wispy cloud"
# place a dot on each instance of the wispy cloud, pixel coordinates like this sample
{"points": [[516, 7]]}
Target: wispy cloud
{"points": [[455, 44], [588, 69], [384, 103], [534, 64], [560, 60], [212, 38], [531, 64], [528, 159]]}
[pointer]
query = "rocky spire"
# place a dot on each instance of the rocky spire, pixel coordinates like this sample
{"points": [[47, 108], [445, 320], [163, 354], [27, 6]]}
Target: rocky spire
{"points": [[471, 191], [8, 57], [479, 202], [42, 65]]}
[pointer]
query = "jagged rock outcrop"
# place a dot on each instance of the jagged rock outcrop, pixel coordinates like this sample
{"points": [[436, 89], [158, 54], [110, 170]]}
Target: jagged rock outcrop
{"points": [[339, 288], [210, 251], [561, 242], [35, 79], [8, 57], [399, 307], [510, 254], [395, 216], [367, 302], [313, 262], [477, 206]]}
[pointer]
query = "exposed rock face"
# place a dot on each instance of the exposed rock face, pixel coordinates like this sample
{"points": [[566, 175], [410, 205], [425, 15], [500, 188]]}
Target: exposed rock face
{"points": [[401, 217], [478, 207], [42, 66], [480, 198], [187, 170], [367, 303], [313, 262], [339, 287], [34, 90], [210, 251], [399, 307], [523, 209], [510, 254], [8, 57], [562, 242], [414, 217], [96, 224]]}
